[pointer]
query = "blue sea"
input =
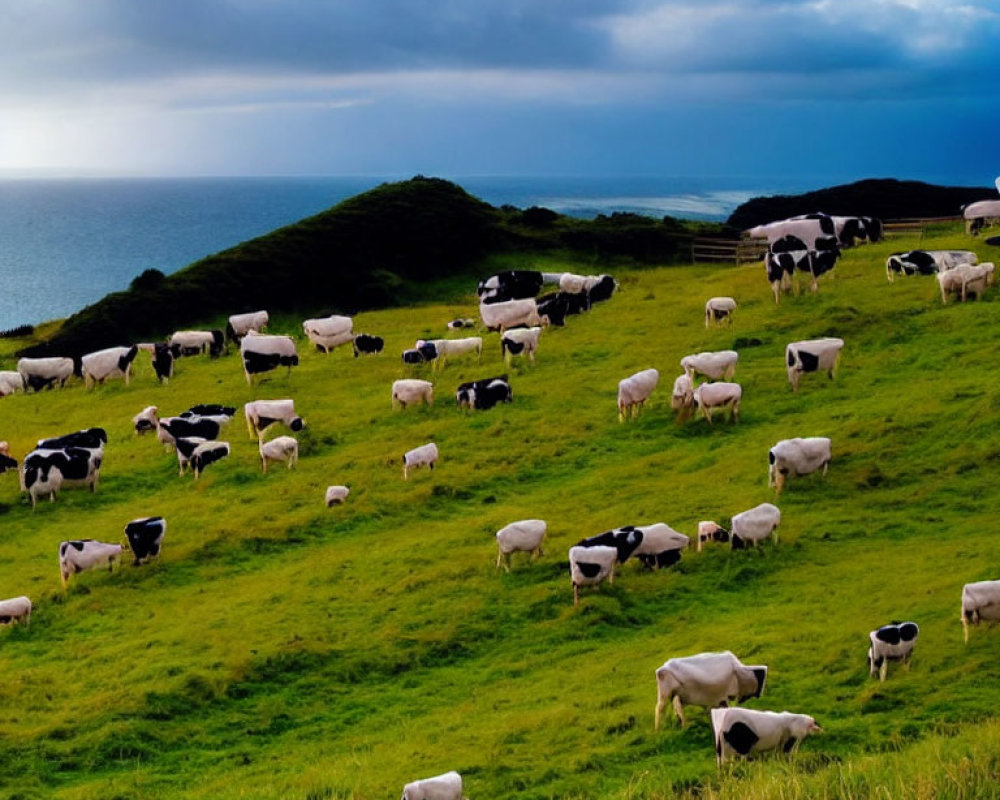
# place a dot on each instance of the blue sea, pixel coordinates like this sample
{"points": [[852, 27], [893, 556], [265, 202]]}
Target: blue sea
{"points": [[66, 243]]}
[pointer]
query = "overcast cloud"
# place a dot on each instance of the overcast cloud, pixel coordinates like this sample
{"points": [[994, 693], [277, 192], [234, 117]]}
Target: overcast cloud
{"points": [[904, 88]]}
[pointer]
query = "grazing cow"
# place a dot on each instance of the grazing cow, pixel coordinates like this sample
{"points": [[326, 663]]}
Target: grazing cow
{"points": [[187, 427], [790, 253], [89, 439], [743, 731], [192, 343], [421, 354], [240, 324], [6, 462], [522, 536], [145, 537], [519, 342], [441, 787], [589, 566], [280, 448], [458, 324], [600, 288], [718, 309], [146, 420], [752, 526], [261, 414], [625, 541], [893, 642], [682, 397], [660, 545], [424, 456], [412, 391], [163, 362], [511, 314], [370, 345], [335, 495], [113, 362], [185, 446], [41, 479], [44, 373], [713, 365], [78, 555], [709, 531], [10, 382], [798, 456], [516, 284], [329, 332], [207, 453], [440, 350], [780, 267], [926, 262], [976, 214], [263, 352], [633, 392], [965, 279], [555, 307], [46, 471], [484, 394], [15, 609], [813, 355], [808, 231], [708, 680], [980, 601], [709, 396]]}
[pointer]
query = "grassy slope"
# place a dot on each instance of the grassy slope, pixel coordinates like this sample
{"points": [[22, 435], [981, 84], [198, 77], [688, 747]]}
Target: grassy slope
{"points": [[283, 649]]}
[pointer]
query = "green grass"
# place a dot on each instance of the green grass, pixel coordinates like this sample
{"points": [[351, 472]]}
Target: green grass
{"points": [[282, 649]]}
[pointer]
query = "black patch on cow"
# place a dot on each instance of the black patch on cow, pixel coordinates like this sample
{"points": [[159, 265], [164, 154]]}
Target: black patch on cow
{"points": [[719, 313], [6, 463], [741, 737], [602, 290], [127, 358], [296, 424], [163, 361], [788, 244], [625, 541], [218, 344], [760, 673], [78, 544], [789, 744], [555, 307], [145, 537], [888, 634], [809, 362], [201, 460], [736, 542], [412, 357], [186, 446], [908, 631], [512, 285], [91, 438], [263, 422], [255, 363], [209, 410], [511, 346], [922, 260], [364, 343], [37, 382], [665, 558], [184, 427], [589, 570]]}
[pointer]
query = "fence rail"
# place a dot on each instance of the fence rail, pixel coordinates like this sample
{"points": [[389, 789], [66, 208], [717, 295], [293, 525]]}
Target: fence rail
{"points": [[738, 251]]}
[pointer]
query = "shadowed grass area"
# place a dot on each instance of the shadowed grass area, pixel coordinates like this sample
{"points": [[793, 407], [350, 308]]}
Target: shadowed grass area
{"points": [[282, 649]]}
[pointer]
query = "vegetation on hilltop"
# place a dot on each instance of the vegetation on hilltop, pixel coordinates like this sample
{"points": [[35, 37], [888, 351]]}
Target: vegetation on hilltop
{"points": [[278, 648], [883, 198]]}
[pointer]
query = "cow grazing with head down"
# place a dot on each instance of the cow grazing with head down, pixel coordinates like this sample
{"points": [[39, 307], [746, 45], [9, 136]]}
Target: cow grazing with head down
{"points": [[590, 566], [329, 332], [145, 538], [412, 391], [44, 373], [207, 453], [484, 393], [706, 679], [112, 362], [261, 414], [79, 555], [709, 531], [708, 397], [682, 397], [264, 352], [718, 310], [192, 343], [717, 365], [742, 731], [10, 381], [440, 350], [634, 391], [424, 456], [892, 642], [441, 787], [335, 495], [523, 536], [752, 526], [280, 448], [980, 602], [625, 541], [659, 545], [6, 462], [460, 323], [15, 609], [799, 456], [813, 355]]}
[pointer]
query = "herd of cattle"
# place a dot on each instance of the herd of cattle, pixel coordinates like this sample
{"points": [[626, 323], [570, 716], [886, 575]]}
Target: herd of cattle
{"points": [[509, 303]]}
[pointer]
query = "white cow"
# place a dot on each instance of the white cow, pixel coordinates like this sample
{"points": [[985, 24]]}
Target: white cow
{"points": [[264, 352], [980, 601], [660, 544], [112, 362], [329, 332], [633, 391], [720, 364], [718, 309], [706, 679], [976, 214], [261, 414], [812, 355], [926, 262], [893, 642], [188, 343], [335, 495], [185, 446], [520, 342], [511, 314], [441, 787], [280, 448], [522, 536], [10, 382], [799, 456], [726, 396], [966, 279], [41, 373], [83, 554], [412, 391], [424, 456], [709, 531], [444, 349], [589, 566], [16, 609], [682, 397], [742, 731], [754, 525], [240, 324]]}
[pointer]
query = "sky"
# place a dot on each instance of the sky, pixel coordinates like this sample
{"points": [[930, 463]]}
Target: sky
{"points": [[839, 88]]}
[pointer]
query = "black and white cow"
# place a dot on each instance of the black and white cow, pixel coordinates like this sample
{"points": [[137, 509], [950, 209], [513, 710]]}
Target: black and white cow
{"points": [[484, 394], [264, 352], [191, 343], [207, 453], [515, 284], [89, 439], [660, 545], [420, 355], [365, 343], [145, 537], [44, 373], [926, 262], [186, 427], [742, 731], [240, 324], [47, 471], [163, 361], [812, 355], [708, 680], [798, 456], [625, 541], [112, 362], [6, 462], [589, 566], [892, 642], [78, 555], [261, 414], [220, 413], [329, 332]]}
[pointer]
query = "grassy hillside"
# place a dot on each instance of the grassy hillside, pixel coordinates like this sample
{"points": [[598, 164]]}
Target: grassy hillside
{"points": [[282, 649]]}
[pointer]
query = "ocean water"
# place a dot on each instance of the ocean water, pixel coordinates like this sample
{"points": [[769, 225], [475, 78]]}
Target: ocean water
{"points": [[65, 244]]}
